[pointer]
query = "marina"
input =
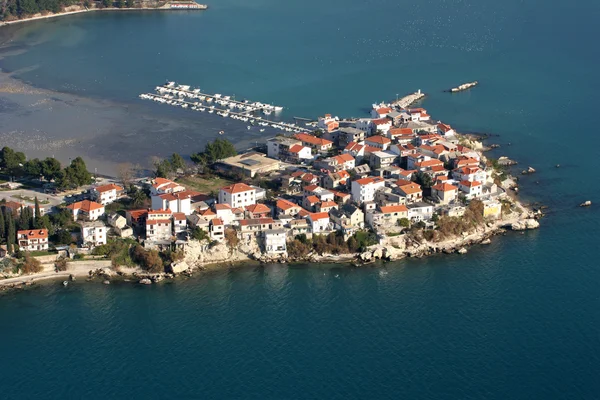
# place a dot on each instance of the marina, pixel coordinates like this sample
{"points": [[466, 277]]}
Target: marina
{"points": [[223, 105]]}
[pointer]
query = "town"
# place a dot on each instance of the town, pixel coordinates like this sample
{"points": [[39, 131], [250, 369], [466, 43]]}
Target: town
{"points": [[392, 181]]}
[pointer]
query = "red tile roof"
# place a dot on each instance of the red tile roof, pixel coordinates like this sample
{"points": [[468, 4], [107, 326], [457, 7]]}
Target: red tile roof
{"points": [[258, 208], [34, 234], [444, 187], [391, 209], [286, 205], [318, 216], [237, 188], [306, 138], [85, 205], [106, 188]]}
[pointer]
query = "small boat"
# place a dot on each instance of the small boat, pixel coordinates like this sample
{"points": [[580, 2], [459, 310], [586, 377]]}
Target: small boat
{"points": [[267, 112], [221, 132], [262, 129], [248, 127], [65, 283]]}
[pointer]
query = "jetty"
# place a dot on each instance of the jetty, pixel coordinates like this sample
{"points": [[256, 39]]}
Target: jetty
{"points": [[408, 99], [223, 105], [462, 87]]}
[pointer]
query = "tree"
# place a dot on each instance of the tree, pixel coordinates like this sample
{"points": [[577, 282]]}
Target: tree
{"points": [[12, 161], [424, 179], [125, 173], [217, 150], [177, 162], [75, 175], [403, 222], [33, 168], [31, 265], [11, 234], [107, 3], [62, 236], [130, 3], [121, 3], [199, 234], [50, 168], [138, 197], [163, 169], [25, 221], [36, 213], [231, 238], [2, 225]]}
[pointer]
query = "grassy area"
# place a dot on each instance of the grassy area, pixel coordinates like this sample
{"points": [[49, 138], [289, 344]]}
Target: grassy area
{"points": [[204, 185], [41, 253]]}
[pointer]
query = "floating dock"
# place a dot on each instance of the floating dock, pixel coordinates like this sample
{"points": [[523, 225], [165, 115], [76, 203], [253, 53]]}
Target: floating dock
{"points": [[225, 106]]}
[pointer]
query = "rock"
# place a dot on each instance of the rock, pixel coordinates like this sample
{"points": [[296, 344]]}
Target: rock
{"points": [[486, 241], [528, 223], [72, 278], [157, 278], [106, 282], [179, 267], [366, 256], [462, 250], [145, 281], [586, 203], [378, 253], [557, 165]]}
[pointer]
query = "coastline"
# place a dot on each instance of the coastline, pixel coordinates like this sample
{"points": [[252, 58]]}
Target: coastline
{"points": [[80, 10]]}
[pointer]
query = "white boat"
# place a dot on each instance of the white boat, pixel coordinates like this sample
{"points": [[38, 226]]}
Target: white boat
{"points": [[278, 108], [226, 97], [248, 127], [211, 111], [217, 95], [262, 129], [267, 112], [209, 99], [221, 132], [170, 84]]}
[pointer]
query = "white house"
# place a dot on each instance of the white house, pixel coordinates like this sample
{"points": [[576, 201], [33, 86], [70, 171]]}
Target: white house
{"points": [[420, 211], [86, 210], [470, 189], [275, 241], [237, 195], [93, 233], [106, 194], [162, 185], [279, 147], [380, 111], [158, 225], [179, 222], [365, 125], [319, 222], [469, 174], [176, 202], [364, 189], [381, 142], [33, 240], [382, 125]]}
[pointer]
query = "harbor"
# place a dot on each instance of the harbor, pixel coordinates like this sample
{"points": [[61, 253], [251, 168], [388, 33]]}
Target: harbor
{"points": [[223, 105]]}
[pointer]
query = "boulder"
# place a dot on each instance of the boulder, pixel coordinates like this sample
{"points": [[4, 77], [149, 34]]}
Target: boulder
{"points": [[378, 253], [145, 281], [179, 267], [462, 250], [528, 223], [486, 241], [106, 282]]}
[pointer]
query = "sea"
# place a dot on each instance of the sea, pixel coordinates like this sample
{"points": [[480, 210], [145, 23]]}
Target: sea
{"points": [[516, 319]]}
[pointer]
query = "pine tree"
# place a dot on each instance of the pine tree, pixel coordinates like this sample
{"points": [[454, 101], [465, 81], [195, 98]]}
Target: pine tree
{"points": [[2, 225], [25, 219], [10, 233], [37, 215]]}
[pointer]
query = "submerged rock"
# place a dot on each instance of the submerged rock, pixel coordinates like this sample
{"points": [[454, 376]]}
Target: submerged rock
{"points": [[462, 250], [145, 281]]}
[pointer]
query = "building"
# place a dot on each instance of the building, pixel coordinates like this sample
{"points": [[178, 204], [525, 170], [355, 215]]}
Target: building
{"points": [[179, 222], [492, 209], [319, 222], [237, 195], [364, 189], [275, 241], [162, 185], [347, 217], [336, 179], [469, 174], [411, 190], [216, 230], [299, 153], [378, 141], [158, 225], [445, 193], [86, 210], [106, 194], [33, 240], [258, 210], [249, 164], [470, 189], [343, 161], [286, 207], [318, 144], [328, 123], [381, 159], [382, 125], [93, 233], [381, 111], [279, 147], [386, 216], [420, 212], [349, 135]]}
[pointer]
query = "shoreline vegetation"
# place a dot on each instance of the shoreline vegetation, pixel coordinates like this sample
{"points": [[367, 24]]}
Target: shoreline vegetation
{"points": [[15, 12]]}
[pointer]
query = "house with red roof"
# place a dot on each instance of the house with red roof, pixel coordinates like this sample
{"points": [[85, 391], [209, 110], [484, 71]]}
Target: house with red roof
{"points": [[163, 185], [318, 144], [379, 142], [336, 179], [380, 111], [381, 125], [470, 189], [326, 206], [445, 193], [445, 129], [364, 189], [328, 123], [469, 174], [33, 240], [216, 230], [86, 210], [286, 207], [257, 211], [319, 222], [106, 194], [410, 190], [386, 216], [237, 195]]}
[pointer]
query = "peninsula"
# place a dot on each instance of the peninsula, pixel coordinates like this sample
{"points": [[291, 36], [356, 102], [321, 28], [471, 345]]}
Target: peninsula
{"points": [[395, 184]]}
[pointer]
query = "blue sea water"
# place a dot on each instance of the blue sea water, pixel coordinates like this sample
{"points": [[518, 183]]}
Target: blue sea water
{"points": [[517, 319]]}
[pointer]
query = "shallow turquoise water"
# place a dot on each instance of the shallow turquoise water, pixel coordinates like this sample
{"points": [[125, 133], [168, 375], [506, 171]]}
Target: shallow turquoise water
{"points": [[517, 319]]}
